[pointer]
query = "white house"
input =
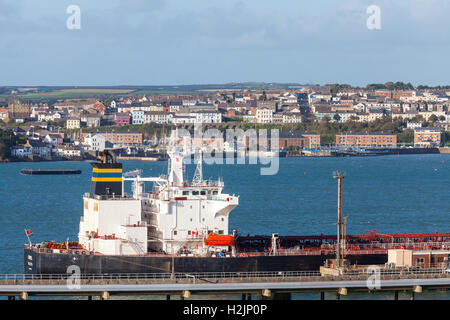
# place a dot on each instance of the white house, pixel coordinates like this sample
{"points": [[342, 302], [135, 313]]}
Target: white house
{"points": [[181, 119], [39, 148], [53, 139], [207, 116], [413, 125], [264, 115], [138, 116], [21, 151], [157, 117], [290, 117], [68, 151], [96, 142]]}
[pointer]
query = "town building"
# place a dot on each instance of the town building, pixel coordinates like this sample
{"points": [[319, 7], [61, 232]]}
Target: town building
{"points": [[427, 137], [286, 140], [73, 123], [122, 119], [69, 151], [91, 120], [138, 117], [53, 139], [272, 105], [21, 151], [357, 139], [18, 111], [3, 114], [413, 125], [395, 94], [99, 107], [207, 116], [94, 142], [264, 115], [118, 138], [157, 117], [39, 148], [183, 119]]}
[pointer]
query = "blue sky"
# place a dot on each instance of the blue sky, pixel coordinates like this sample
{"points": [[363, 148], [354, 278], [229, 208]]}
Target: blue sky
{"points": [[164, 42]]}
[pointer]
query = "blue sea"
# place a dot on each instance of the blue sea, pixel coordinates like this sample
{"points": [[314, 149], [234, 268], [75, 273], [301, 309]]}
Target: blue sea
{"points": [[390, 194]]}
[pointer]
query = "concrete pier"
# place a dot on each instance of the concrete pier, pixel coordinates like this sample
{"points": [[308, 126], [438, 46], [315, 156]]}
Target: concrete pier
{"points": [[270, 288]]}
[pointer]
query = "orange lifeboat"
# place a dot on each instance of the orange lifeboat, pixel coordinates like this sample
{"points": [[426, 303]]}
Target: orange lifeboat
{"points": [[219, 240]]}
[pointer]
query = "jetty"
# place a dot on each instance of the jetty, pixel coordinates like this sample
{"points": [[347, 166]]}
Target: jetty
{"points": [[51, 171], [261, 285]]}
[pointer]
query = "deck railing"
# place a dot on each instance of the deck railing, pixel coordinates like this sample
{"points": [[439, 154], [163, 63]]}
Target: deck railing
{"points": [[211, 276], [162, 276]]}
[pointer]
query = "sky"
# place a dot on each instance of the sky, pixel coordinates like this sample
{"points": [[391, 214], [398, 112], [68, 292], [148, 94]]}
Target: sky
{"points": [[174, 42]]}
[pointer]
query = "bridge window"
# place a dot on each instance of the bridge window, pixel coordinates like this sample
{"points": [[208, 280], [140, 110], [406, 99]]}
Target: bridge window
{"points": [[203, 193], [185, 193], [195, 193]]}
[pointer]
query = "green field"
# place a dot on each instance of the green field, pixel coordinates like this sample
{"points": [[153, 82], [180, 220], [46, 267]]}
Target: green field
{"points": [[75, 93]]}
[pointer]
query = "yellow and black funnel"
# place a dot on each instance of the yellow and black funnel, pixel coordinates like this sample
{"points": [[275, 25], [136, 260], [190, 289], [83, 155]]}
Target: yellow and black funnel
{"points": [[106, 176]]}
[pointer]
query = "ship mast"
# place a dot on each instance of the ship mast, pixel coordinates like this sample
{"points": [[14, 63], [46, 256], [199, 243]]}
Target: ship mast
{"points": [[339, 176], [176, 166], [198, 176]]}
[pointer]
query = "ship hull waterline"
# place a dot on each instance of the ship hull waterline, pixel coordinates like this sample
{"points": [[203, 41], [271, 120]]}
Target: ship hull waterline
{"points": [[58, 263]]}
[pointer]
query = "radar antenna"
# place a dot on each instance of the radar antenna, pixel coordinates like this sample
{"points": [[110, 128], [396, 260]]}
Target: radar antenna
{"points": [[198, 176]]}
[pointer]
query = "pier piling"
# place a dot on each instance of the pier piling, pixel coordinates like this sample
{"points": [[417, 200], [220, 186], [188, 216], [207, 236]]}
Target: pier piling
{"points": [[105, 295]]}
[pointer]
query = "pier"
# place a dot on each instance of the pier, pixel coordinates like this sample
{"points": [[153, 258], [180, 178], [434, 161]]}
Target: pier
{"points": [[49, 171], [265, 285]]}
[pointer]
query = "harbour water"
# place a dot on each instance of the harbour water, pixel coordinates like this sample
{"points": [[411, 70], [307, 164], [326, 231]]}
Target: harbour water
{"points": [[390, 194]]}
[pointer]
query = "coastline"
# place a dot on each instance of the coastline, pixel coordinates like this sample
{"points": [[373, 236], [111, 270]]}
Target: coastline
{"points": [[303, 153]]}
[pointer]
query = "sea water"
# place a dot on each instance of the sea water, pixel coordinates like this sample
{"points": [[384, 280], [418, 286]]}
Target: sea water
{"points": [[389, 194]]}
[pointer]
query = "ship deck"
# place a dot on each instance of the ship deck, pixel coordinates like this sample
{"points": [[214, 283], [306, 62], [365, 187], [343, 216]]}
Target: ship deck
{"points": [[372, 243]]}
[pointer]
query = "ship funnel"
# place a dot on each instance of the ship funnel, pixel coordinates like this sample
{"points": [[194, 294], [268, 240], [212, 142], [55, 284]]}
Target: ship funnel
{"points": [[106, 175]]}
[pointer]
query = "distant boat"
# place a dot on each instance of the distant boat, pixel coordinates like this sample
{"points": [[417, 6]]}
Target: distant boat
{"points": [[263, 154], [51, 171]]}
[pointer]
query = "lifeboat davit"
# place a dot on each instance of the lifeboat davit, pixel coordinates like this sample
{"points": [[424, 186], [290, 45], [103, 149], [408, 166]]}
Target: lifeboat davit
{"points": [[219, 240]]}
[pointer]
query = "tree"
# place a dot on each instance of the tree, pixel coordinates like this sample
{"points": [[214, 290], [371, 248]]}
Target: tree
{"points": [[406, 136], [418, 118], [337, 117], [433, 118], [5, 151], [7, 140]]}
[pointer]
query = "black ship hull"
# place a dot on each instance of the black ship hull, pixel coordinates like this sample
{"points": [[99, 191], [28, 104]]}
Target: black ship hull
{"points": [[58, 263]]}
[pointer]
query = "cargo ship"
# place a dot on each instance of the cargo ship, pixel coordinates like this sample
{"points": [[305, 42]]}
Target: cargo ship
{"points": [[182, 227]]}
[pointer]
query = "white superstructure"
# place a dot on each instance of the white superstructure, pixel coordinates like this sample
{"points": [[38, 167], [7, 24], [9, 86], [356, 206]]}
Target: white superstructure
{"points": [[175, 217]]}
